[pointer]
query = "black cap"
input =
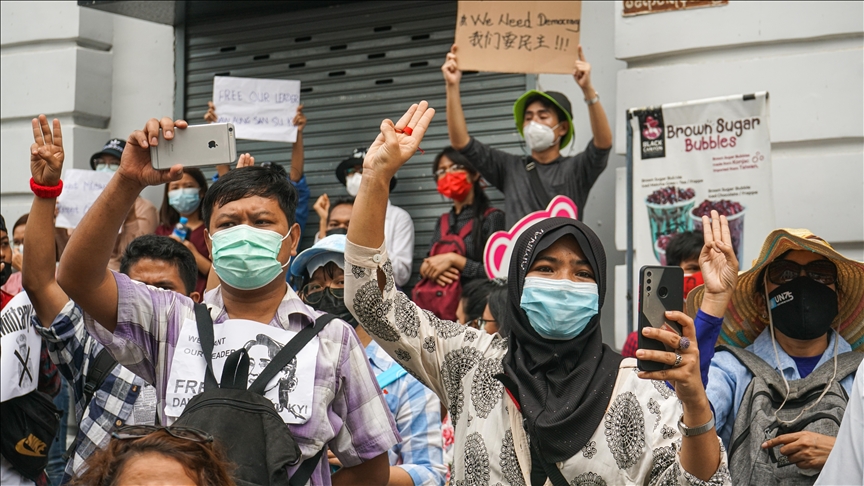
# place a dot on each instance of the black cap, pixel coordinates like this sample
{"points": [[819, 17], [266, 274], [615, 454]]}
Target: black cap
{"points": [[113, 147], [356, 159]]}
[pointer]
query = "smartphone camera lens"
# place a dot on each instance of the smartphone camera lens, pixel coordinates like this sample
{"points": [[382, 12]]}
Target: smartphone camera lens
{"points": [[663, 292], [649, 281], [649, 274], [230, 129], [648, 289]]}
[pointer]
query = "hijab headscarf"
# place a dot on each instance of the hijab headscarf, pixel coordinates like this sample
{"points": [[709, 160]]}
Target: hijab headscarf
{"points": [[563, 387]]}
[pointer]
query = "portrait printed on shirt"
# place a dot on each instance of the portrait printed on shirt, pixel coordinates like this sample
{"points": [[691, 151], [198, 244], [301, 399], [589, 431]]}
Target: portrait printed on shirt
{"points": [[19, 361], [291, 390]]}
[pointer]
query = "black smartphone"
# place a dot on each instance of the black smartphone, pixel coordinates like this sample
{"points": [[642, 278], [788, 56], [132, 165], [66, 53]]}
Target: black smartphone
{"points": [[661, 289]]}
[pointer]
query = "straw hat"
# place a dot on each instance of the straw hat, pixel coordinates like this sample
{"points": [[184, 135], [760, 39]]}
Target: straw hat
{"points": [[744, 320]]}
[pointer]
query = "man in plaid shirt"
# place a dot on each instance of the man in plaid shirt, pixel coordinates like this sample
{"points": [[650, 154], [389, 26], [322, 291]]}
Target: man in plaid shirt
{"points": [[123, 398]]}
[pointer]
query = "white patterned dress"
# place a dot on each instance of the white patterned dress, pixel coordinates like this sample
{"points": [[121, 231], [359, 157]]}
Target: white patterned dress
{"points": [[637, 442]]}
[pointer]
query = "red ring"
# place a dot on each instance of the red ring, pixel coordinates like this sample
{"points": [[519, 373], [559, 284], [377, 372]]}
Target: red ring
{"points": [[408, 131]]}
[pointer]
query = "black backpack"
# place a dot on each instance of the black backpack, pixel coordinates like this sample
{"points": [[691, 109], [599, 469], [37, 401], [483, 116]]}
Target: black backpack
{"points": [[256, 438], [29, 424]]}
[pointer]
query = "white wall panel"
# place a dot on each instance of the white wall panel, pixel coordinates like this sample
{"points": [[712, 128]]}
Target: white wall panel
{"points": [[42, 22], [736, 24]]}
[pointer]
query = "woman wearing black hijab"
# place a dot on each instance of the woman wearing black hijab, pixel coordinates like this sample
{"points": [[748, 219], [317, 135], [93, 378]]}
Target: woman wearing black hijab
{"points": [[588, 416]]}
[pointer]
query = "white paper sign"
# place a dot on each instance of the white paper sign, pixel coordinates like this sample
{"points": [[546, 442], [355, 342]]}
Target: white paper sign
{"points": [[80, 190], [692, 157], [260, 109], [290, 391], [19, 359]]}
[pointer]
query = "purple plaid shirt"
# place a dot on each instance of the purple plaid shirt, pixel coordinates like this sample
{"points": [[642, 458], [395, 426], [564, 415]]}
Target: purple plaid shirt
{"points": [[350, 415]]}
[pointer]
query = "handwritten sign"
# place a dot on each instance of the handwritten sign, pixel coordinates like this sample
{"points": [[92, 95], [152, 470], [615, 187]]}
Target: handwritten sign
{"points": [[80, 190], [19, 361], [518, 37], [642, 7], [260, 109]]}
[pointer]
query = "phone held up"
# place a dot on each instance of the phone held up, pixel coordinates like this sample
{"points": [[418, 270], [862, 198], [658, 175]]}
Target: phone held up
{"points": [[661, 289], [196, 146]]}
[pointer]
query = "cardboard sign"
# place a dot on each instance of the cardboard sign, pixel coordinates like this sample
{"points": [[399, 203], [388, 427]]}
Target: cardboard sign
{"points": [[290, 391], [692, 157], [260, 109], [499, 246], [19, 361], [80, 190], [518, 37], [642, 7]]}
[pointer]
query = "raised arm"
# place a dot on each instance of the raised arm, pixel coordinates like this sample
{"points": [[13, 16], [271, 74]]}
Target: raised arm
{"points": [[599, 123], [46, 165], [297, 148], [457, 129], [84, 273]]}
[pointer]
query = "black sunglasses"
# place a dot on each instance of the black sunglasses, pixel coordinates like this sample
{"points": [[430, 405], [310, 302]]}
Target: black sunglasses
{"points": [[783, 271], [139, 431]]}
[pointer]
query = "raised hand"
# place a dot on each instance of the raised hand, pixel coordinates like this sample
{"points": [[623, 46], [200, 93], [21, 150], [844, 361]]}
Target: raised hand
{"points": [[582, 71], [686, 377], [245, 160], [46, 152], [718, 264], [210, 116], [452, 74], [322, 207], [299, 120], [398, 142], [135, 165]]}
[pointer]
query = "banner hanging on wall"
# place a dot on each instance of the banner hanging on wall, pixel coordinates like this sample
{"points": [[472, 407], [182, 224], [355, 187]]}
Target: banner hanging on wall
{"points": [[692, 157]]}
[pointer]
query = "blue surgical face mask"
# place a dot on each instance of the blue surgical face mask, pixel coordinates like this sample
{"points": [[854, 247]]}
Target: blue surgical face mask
{"points": [[185, 200], [245, 257], [559, 309]]}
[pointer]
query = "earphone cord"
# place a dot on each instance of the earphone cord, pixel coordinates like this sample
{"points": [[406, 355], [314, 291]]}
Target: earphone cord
{"points": [[777, 357]]}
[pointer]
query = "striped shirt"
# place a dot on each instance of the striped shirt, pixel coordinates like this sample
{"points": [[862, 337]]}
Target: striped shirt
{"points": [[349, 413], [418, 417], [73, 350]]}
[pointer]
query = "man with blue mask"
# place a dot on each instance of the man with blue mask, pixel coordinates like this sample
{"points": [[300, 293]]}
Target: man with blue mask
{"points": [[142, 218], [545, 120], [252, 234]]}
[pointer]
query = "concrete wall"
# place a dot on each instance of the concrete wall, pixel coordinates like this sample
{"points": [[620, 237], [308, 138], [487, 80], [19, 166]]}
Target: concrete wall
{"points": [[598, 42], [101, 74], [808, 55]]}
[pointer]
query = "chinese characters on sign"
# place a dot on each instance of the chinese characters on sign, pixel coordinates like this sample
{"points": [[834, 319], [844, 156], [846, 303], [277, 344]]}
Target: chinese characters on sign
{"points": [[642, 7], [518, 37]]}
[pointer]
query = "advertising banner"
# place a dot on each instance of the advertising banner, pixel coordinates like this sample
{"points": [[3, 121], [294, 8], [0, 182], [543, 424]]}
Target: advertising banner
{"points": [[692, 157]]}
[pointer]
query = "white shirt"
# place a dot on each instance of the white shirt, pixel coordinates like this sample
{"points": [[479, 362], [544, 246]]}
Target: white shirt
{"points": [[845, 464], [399, 235]]}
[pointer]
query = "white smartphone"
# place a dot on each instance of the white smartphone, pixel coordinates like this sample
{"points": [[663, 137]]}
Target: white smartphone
{"points": [[196, 146]]}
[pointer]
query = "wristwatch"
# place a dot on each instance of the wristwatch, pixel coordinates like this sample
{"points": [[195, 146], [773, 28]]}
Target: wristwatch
{"points": [[694, 431], [593, 100]]}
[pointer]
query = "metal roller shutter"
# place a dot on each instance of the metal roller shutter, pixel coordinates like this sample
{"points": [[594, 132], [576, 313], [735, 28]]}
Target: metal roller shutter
{"points": [[358, 64]]}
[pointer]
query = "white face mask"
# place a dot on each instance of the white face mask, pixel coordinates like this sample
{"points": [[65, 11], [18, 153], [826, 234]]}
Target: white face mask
{"points": [[352, 183], [539, 137]]}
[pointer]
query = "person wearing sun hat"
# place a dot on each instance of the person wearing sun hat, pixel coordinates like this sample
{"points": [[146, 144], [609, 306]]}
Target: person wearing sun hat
{"points": [[800, 306], [545, 120]]}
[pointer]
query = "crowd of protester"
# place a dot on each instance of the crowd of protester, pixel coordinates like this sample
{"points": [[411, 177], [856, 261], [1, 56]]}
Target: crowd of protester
{"points": [[469, 381]]}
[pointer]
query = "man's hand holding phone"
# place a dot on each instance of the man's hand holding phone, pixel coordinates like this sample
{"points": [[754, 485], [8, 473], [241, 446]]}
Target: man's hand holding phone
{"points": [[135, 165]]}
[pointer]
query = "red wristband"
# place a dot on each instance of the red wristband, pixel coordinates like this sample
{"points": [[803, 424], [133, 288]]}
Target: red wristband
{"points": [[46, 192]]}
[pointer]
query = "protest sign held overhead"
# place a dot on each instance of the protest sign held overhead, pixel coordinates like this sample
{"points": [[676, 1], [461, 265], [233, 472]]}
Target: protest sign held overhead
{"points": [[693, 157], [80, 190], [518, 37], [260, 109]]}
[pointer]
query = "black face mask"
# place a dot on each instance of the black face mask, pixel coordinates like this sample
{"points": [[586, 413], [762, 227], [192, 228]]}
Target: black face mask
{"points": [[803, 308], [336, 231], [6, 272], [331, 304]]}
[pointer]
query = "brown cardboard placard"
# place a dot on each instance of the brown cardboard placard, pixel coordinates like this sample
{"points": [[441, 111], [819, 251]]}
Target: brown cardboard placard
{"points": [[518, 37]]}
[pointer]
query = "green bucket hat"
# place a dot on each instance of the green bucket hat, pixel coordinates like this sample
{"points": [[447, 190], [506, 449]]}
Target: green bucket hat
{"points": [[558, 99]]}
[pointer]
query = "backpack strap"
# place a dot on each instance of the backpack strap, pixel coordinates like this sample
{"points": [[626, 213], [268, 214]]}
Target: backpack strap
{"points": [[235, 373], [536, 183], [288, 352], [100, 368], [445, 224], [756, 365], [205, 333], [847, 363], [304, 472]]}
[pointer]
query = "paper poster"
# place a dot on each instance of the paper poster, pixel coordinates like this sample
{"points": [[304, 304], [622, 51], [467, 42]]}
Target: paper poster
{"points": [[692, 157], [80, 190], [643, 7], [21, 345], [260, 109], [499, 246], [518, 37], [290, 391]]}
